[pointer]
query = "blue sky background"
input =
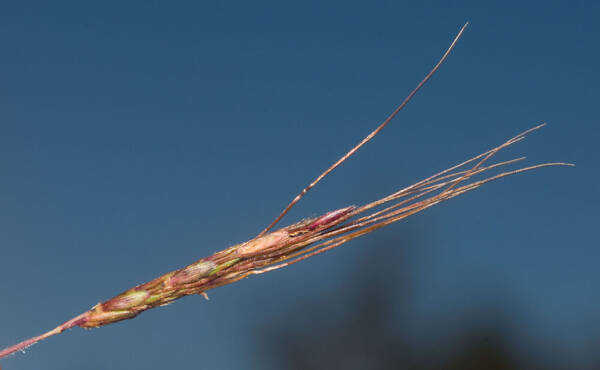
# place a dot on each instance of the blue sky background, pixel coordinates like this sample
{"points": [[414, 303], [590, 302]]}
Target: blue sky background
{"points": [[136, 137]]}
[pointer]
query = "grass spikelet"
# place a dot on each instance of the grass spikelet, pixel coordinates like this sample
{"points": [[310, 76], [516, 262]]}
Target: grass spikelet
{"points": [[272, 250]]}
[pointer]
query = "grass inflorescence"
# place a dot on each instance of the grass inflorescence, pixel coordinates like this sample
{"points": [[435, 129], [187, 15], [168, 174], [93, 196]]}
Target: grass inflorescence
{"points": [[272, 250]]}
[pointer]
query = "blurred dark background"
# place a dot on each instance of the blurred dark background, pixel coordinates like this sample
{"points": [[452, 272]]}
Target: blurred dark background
{"points": [[374, 324], [136, 137]]}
